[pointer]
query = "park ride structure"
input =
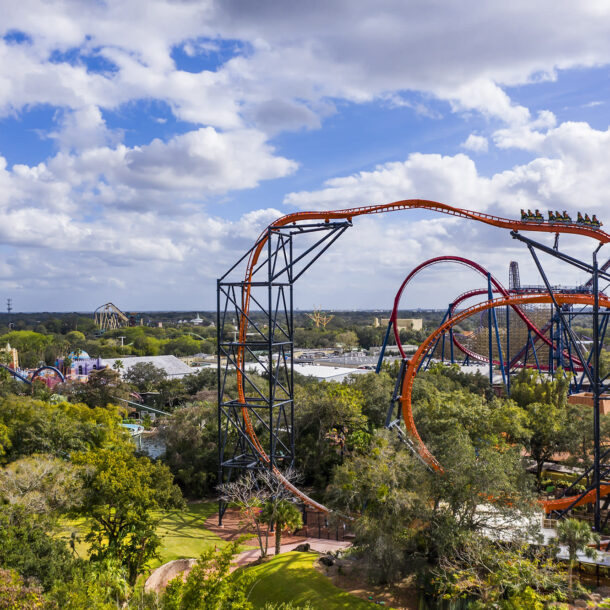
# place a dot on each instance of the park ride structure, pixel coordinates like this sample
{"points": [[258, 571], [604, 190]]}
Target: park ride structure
{"points": [[256, 412], [514, 345], [110, 317], [57, 375], [410, 368]]}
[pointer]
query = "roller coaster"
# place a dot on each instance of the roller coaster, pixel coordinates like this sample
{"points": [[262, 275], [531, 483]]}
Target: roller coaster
{"points": [[494, 287], [255, 420], [110, 317], [37, 374]]}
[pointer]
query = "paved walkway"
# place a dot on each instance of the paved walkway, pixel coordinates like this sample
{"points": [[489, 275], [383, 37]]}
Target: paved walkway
{"points": [[316, 544], [159, 578]]}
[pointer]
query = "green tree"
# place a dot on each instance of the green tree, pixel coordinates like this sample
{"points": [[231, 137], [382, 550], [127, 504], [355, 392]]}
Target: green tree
{"points": [[282, 515], [549, 419], [577, 536], [76, 340], [31, 345], [41, 484], [209, 584], [36, 426], [376, 391], [530, 387], [205, 379], [145, 376], [319, 408], [28, 544], [409, 517], [16, 594], [99, 585], [182, 346], [369, 336], [147, 346], [171, 392], [104, 387], [190, 435], [347, 339], [498, 574], [121, 491]]}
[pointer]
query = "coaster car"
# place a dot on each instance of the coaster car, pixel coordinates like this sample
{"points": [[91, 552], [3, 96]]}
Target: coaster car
{"points": [[593, 222]]}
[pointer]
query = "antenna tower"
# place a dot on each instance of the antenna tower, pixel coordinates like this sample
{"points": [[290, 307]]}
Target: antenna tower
{"points": [[9, 309]]}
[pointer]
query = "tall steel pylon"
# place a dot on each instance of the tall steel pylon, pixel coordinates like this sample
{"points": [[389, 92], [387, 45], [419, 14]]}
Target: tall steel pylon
{"points": [[591, 367], [268, 344]]}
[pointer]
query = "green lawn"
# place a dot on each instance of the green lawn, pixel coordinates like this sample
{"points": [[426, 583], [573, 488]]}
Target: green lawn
{"points": [[292, 577], [182, 533]]}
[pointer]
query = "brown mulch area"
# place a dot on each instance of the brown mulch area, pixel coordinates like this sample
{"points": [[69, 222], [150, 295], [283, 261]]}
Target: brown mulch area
{"points": [[349, 575], [233, 527]]}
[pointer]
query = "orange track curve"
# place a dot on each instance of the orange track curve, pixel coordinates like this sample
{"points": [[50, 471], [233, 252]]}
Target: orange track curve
{"points": [[348, 214], [411, 372]]}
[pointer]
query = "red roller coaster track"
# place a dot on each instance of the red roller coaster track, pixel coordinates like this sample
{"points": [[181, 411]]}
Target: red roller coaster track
{"points": [[348, 214], [498, 287], [413, 365]]}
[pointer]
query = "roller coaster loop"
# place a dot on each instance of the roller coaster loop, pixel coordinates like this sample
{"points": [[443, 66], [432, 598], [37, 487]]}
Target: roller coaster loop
{"points": [[413, 365], [237, 357], [497, 287]]}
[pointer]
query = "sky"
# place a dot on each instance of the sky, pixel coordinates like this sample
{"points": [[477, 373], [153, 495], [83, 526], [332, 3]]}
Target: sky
{"points": [[144, 144]]}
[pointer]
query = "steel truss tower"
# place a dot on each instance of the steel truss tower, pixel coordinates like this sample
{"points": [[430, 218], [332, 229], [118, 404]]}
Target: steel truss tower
{"points": [[268, 344], [600, 469]]}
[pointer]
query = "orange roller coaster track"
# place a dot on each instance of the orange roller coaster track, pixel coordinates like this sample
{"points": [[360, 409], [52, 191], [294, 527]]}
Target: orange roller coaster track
{"points": [[413, 365], [348, 214]]}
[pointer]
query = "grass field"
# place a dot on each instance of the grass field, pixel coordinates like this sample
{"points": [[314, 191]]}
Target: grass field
{"points": [[292, 577], [182, 533]]}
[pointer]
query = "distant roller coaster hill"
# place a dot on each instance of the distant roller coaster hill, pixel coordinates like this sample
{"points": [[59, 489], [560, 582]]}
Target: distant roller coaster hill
{"points": [[110, 317]]}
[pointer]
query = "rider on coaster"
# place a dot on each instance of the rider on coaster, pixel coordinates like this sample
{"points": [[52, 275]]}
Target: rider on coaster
{"points": [[566, 216], [530, 216], [587, 219], [523, 214], [579, 218], [539, 216], [551, 216], [595, 222]]}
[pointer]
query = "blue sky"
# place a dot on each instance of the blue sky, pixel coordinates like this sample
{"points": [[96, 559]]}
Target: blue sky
{"points": [[144, 145]]}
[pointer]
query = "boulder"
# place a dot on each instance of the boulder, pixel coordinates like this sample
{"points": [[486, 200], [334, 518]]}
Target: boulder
{"points": [[303, 548]]}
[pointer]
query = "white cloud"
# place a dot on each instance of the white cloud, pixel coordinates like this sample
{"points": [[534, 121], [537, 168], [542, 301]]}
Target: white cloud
{"points": [[436, 177], [190, 167], [570, 172], [476, 143], [99, 209], [84, 128], [294, 59]]}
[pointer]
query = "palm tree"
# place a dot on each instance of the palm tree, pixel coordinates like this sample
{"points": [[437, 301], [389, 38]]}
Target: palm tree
{"points": [[577, 536], [282, 515], [118, 365]]}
